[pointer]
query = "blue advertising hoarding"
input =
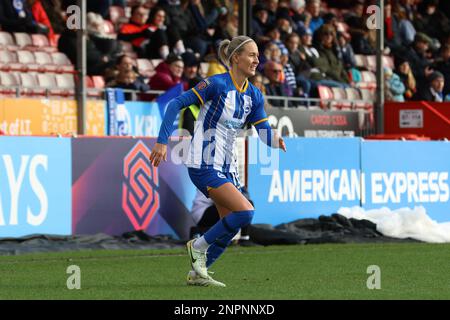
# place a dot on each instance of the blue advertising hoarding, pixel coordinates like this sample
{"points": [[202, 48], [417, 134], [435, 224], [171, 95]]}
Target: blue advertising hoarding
{"points": [[35, 186], [401, 174], [314, 177], [131, 118]]}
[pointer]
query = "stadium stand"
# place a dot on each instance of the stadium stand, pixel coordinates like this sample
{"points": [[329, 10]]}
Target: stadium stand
{"points": [[37, 65]]}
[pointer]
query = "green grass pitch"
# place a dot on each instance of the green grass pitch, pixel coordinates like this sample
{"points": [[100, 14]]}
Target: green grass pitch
{"points": [[408, 271]]}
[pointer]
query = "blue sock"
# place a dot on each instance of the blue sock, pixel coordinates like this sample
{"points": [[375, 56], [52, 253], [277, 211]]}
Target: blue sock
{"points": [[220, 234], [217, 248]]}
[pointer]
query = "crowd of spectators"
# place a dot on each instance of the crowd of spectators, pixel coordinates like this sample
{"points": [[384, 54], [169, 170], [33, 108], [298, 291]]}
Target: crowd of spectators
{"points": [[303, 44]]}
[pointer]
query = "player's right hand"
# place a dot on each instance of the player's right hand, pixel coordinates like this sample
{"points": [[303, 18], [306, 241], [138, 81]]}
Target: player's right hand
{"points": [[159, 152]]}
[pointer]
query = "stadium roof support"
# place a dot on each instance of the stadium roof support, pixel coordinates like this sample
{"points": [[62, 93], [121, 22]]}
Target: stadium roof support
{"points": [[81, 70], [379, 105]]}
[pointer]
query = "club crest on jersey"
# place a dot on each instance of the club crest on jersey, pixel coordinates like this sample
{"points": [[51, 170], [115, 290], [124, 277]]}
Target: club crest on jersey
{"points": [[203, 84], [221, 175]]}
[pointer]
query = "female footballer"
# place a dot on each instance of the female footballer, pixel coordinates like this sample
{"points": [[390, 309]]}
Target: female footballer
{"points": [[228, 103]]}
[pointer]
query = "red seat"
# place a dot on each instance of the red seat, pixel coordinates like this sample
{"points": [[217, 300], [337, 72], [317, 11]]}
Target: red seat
{"points": [[62, 62], [30, 85], [146, 67], [6, 40], [325, 95], [9, 84], [26, 58], [45, 62], [23, 40], [340, 94]]}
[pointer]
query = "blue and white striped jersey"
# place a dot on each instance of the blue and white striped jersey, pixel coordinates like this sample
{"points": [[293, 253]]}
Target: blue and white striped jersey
{"points": [[226, 110]]}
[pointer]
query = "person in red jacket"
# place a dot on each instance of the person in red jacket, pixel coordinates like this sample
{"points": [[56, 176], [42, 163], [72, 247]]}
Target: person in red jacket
{"points": [[168, 73], [148, 41], [40, 16]]}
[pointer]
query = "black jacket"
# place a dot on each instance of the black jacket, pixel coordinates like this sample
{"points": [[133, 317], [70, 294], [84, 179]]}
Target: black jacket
{"points": [[10, 20]]}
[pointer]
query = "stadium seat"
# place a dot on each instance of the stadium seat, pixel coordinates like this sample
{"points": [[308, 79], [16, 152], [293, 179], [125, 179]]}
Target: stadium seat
{"points": [[30, 84], [26, 58], [96, 84], [156, 62], [388, 62], [23, 40], [99, 82], [145, 67], [371, 63], [47, 81], [340, 94], [9, 84], [45, 62], [368, 80], [6, 40], [62, 62], [41, 43], [8, 60], [325, 95], [65, 84], [360, 61]]}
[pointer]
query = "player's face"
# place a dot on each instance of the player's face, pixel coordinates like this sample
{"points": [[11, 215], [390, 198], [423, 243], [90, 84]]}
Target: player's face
{"points": [[248, 60]]}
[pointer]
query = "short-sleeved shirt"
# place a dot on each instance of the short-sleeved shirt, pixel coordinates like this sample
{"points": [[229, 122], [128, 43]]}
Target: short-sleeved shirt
{"points": [[226, 110]]}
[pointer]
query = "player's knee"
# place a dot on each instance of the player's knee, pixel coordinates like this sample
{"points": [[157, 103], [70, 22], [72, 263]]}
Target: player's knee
{"points": [[246, 217]]}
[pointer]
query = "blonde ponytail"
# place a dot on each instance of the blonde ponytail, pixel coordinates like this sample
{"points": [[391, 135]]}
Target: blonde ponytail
{"points": [[223, 51]]}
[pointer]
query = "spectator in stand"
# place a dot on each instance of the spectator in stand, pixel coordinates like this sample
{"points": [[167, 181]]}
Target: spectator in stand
{"points": [[358, 29], [141, 34], [275, 37], [298, 60], [191, 67], [41, 17], [127, 77], [297, 14], [97, 62], [289, 75], [258, 81], [272, 7], [259, 24], [403, 70], [314, 21], [345, 51], [434, 90], [443, 66], [394, 87], [107, 44], [157, 19], [405, 26], [416, 55], [168, 73], [284, 23], [56, 14], [271, 53], [431, 20], [328, 63], [277, 85], [392, 28], [204, 18], [16, 16]]}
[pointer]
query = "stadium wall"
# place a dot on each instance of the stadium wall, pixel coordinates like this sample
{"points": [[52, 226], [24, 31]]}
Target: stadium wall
{"points": [[91, 185], [319, 176]]}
